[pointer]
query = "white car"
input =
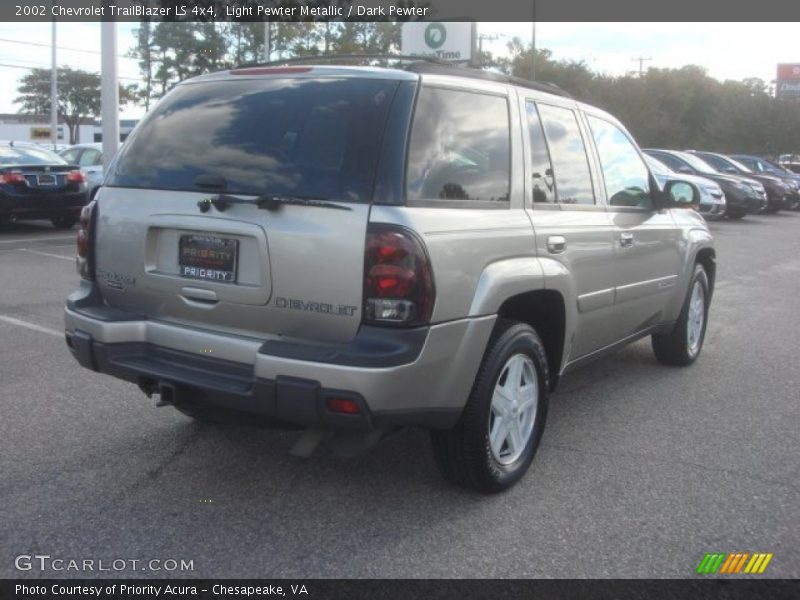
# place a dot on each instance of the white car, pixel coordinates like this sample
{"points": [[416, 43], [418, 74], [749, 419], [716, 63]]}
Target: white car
{"points": [[712, 198], [89, 157]]}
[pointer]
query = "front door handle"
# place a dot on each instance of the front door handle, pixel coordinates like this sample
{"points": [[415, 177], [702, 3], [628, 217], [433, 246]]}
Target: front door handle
{"points": [[626, 240], [556, 244]]}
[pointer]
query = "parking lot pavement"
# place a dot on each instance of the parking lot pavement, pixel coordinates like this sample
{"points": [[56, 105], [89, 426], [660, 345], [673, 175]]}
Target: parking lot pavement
{"points": [[642, 469]]}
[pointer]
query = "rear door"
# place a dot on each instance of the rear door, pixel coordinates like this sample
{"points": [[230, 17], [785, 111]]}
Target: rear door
{"points": [[180, 239], [571, 225], [647, 241]]}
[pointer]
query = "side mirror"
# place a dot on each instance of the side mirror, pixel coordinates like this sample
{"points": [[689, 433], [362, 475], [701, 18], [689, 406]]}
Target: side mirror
{"points": [[684, 169], [730, 170], [679, 194]]}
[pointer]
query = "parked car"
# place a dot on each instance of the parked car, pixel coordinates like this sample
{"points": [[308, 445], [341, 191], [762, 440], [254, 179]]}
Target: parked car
{"points": [[779, 193], [741, 196], [36, 183], [90, 159], [766, 167], [712, 198], [354, 249]]}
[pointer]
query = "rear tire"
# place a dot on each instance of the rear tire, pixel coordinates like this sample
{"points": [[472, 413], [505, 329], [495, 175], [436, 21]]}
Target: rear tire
{"points": [[494, 441], [682, 346], [64, 222]]}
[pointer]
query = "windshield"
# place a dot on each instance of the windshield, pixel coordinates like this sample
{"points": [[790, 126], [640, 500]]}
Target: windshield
{"points": [[657, 167], [739, 165], [777, 168], [317, 138], [696, 163], [11, 156]]}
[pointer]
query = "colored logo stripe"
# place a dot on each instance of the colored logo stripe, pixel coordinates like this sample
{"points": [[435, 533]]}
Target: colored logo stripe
{"points": [[734, 563]]}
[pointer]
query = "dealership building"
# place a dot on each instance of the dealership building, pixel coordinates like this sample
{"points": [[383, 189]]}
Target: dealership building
{"points": [[36, 128]]}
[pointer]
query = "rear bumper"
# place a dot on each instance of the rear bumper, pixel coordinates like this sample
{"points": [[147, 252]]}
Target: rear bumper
{"points": [[45, 206], [397, 377]]}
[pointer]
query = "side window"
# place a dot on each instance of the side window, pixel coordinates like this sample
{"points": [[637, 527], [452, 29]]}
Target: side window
{"points": [[71, 155], [625, 173], [89, 158], [459, 147], [541, 169], [573, 179]]}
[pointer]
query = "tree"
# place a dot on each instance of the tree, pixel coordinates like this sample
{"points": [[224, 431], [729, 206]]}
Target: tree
{"points": [[78, 96]]}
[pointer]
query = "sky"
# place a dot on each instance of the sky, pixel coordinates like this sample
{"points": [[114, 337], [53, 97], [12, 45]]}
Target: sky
{"points": [[726, 50]]}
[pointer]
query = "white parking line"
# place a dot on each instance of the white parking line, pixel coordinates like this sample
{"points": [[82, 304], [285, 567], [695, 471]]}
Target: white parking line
{"points": [[38, 239], [32, 326], [62, 257]]}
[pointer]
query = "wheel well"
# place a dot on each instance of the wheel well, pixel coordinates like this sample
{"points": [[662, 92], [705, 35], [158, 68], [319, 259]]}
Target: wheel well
{"points": [[544, 311], [707, 258]]}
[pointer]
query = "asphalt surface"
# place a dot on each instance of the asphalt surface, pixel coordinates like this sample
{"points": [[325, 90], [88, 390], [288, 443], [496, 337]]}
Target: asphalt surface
{"points": [[642, 469]]}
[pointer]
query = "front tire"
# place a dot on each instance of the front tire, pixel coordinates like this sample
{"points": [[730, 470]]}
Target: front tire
{"points": [[735, 213], [682, 346], [494, 441]]}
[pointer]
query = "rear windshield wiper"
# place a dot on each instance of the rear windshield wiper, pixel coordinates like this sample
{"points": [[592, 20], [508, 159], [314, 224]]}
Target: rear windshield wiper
{"points": [[267, 202]]}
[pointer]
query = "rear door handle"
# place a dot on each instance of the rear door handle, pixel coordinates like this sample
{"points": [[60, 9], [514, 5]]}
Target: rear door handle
{"points": [[626, 240], [556, 244]]}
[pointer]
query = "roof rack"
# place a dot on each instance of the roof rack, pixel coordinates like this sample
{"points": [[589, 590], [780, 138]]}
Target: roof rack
{"points": [[446, 68], [420, 64], [343, 58]]}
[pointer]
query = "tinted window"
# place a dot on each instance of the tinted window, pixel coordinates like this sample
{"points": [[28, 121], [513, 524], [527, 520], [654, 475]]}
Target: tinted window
{"points": [[624, 172], [541, 169], [459, 147], [570, 164], [306, 137], [28, 155]]}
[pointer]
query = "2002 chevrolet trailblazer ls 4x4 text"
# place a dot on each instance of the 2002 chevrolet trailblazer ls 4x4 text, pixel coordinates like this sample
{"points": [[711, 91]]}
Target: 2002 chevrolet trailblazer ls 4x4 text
{"points": [[354, 249]]}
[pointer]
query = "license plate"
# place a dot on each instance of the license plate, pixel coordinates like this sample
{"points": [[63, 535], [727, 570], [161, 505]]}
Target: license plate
{"points": [[46, 179], [208, 257]]}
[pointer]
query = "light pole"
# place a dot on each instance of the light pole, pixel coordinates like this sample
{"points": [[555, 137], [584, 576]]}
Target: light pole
{"points": [[109, 90], [267, 41], [533, 43], [53, 90]]}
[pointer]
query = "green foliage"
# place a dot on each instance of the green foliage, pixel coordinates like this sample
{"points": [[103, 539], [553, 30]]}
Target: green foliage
{"points": [[675, 108], [78, 95], [169, 52]]}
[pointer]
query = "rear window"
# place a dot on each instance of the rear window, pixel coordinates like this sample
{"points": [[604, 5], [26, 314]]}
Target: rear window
{"points": [[21, 155], [317, 138]]}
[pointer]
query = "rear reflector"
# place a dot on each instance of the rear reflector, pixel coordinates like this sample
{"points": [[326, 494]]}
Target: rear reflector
{"points": [[343, 405], [270, 70]]}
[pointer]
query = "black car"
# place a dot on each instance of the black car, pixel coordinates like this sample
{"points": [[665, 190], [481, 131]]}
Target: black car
{"points": [[740, 196], [767, 167], [36, 183], [779, 194]]}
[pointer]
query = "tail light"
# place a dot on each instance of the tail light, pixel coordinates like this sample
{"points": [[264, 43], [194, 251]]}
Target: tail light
{"points": [[12, 177], [398, 283], [76, 177], [85, 241]]}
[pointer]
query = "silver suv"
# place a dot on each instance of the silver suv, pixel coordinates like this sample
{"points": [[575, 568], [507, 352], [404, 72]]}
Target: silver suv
{"points": [[354, 249]]}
